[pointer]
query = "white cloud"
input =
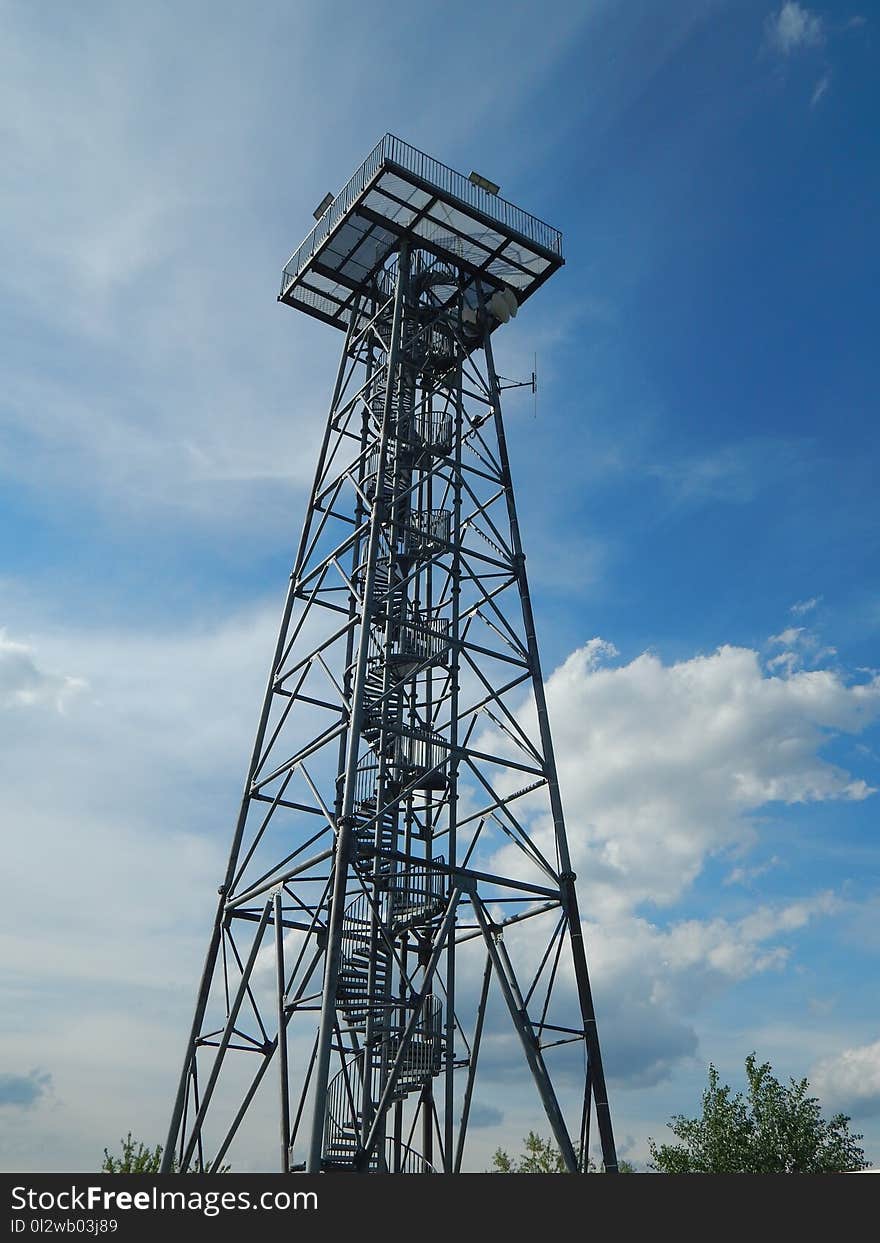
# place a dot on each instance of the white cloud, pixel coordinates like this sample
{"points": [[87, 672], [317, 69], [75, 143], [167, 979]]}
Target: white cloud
{"points": [[792, 28], [23, 684], [123, 807], [786, 637], [805, 606], [149, 273], [652, 983], [785, 663], [850, 1081], [803, 647], [662, 766]]}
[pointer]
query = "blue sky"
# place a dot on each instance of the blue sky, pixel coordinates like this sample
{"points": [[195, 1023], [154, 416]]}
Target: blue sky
{"points": [[696, 485]]}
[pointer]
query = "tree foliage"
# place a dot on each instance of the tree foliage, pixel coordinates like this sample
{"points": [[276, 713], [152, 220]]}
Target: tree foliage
{"points": [[774, 1129], [137, 1158], [540, 1156]]}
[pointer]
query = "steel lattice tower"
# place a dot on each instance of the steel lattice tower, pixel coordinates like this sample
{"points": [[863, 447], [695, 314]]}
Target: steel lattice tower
{"points": [[400, 861]]}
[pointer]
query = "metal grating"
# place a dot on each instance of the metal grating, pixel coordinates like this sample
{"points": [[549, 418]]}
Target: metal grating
{"points": [[400, 191]]}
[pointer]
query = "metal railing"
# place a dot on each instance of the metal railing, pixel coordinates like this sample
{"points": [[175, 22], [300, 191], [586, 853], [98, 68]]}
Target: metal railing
{"points": [[420, 751], [423, 1055], [341, 1138], [430, 429], [337, 209], [460, 187], [341, 1141], [411, 1162], [423, 639], [419, 891], [426, 529], [390, 151], [416, 433], [365, 782]]}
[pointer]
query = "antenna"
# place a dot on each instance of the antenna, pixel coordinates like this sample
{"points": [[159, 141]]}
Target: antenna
{"points": [[531, 382]]}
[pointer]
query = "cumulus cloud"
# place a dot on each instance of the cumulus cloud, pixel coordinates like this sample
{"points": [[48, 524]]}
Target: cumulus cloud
{"points": [[850, 1081], [662, 766], [654, 981], [792, 28]]}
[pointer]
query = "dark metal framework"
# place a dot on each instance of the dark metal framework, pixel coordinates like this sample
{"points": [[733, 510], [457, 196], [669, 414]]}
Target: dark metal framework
{"points": [[400, 862]]}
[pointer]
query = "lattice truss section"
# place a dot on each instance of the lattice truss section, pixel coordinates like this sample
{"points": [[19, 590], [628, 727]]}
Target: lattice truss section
{"points": [[399, 894]]}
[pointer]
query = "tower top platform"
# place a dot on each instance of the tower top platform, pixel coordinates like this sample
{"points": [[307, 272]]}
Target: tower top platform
{"points": [[400, 192]]}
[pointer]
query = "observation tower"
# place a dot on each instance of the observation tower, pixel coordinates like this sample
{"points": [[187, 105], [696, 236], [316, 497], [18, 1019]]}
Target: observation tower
{"points": [[399, 909]]}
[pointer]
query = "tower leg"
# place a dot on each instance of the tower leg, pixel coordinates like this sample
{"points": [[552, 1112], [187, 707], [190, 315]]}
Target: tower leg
{"points": [[232, 863], [530, 1047], [472, 1067], [567, 876], [284, 1086]]}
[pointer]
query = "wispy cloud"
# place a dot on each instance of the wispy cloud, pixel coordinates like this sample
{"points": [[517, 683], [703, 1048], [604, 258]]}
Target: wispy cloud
{"points": [[787, 637], [805, 606], [734, 473], [793, 28], [820, 89], [745, 875], [803, 648]]}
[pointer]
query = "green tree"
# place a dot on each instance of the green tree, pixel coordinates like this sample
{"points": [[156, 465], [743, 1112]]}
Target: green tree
{"points": [[540, 1156], [774, 1129], [137, 1158]]}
